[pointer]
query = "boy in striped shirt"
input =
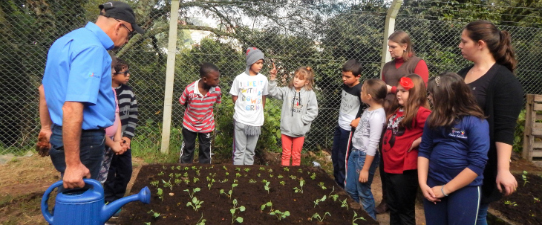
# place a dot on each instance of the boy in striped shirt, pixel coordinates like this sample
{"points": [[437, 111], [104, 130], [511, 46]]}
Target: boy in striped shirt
{"points": [[198, 121]]}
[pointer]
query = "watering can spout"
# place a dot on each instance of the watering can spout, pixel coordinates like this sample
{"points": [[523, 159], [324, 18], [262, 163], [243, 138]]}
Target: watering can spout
{"points": [[108, 210]]}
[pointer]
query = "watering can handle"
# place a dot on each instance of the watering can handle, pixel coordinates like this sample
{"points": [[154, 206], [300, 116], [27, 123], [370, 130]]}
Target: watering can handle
{"points": [[45, 208]]}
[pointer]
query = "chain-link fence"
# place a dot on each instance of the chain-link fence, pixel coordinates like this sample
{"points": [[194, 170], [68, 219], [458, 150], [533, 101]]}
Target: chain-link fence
{"points": [[321, 36]]}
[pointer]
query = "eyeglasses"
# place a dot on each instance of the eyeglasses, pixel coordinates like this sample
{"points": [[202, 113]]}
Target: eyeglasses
{"points": [[130, 32], [125, 72]]}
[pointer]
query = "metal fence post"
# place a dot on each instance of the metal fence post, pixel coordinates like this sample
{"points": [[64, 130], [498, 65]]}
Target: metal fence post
{"points": [[170, 75], [389, 27]]}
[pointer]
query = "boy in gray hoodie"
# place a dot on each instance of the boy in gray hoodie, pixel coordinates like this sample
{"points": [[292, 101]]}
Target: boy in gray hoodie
{"points": [[299, 109]]}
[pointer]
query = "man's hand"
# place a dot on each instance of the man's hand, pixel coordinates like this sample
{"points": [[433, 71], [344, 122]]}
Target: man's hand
{"points": [[73, 176], [44, 144]]}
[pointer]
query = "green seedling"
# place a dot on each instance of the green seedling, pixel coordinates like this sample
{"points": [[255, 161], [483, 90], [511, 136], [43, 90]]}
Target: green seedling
{"points": [[234, 210], [313, 176], [280, 215], [317, 201], [197, 172], [154, 214], [237, 175], [287, 169], [300, 189], [224, 167], [282, 183], [293, 177], [172, 167], [168, 184], [186, 168], [186, 181], [262, 168], [235, 181], [227, 174], [164, 167], [268, 204], [252, 181], [211, 181], [147, 223], [247, 169], [266, 187], [270, 170], [195, 180], [238, 169], [193, 167], [536, 200], [201, 221], [161, 173], [344, 204], [178, 181], [155, 183], [193, 192], [280, 176], [321, 219], [185, 174], [178, 167], [224, 181], [264, 181], [335, 196], [510, 203], [171, 175], [230, 192], [357, 218], [196, 204], [160, 193], [177, 175], [300, 170], [321, 184], [258, 175], [524, 177]]}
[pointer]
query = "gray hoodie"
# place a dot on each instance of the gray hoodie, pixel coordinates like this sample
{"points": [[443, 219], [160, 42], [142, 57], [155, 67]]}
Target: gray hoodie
{"points": [[299, 109]]}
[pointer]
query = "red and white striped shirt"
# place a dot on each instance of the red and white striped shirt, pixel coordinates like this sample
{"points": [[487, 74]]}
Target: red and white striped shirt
{"points": [[198, 115]]}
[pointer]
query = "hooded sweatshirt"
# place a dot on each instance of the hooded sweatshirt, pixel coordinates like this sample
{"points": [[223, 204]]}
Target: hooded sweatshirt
{"points": [[299, 109]]}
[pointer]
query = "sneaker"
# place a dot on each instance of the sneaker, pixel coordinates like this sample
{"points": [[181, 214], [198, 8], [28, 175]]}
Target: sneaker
{"points": [[382, 208]]}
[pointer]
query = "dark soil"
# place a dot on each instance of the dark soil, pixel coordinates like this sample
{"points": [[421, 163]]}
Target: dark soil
{"points": [[215, 209], [524, 205]]}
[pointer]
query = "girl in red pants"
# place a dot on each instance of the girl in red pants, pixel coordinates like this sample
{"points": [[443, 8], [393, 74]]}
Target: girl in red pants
{"points": [[299, 109]]}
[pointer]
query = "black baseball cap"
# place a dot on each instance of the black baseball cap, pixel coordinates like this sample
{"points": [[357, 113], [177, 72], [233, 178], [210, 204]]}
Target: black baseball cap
{"points": [[121, 11]]}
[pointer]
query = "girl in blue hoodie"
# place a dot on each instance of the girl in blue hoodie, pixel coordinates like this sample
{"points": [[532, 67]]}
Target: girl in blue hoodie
{"points": [[299, 109]]}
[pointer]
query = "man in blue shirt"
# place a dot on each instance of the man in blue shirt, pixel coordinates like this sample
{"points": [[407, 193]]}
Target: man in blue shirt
{"points": [[80, 103]]}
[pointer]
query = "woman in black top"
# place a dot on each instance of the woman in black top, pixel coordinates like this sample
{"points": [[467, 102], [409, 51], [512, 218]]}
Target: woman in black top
{"points": [[500, 95]]}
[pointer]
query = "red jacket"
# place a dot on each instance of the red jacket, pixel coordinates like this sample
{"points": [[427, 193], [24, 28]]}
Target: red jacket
{"points": [[396, 142]]}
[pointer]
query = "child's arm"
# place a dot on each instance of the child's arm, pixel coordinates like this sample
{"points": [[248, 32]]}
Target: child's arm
{"points": [[133, 119], [478, 140], [184, 97], [114, 145], [276, 92], [420, 119], [424, 152], [234, 91], [312, 109], [234, 98], [376, 125]]}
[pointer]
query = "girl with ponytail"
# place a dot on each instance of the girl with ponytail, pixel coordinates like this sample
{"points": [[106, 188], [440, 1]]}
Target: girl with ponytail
{"points": [[499, 94]]}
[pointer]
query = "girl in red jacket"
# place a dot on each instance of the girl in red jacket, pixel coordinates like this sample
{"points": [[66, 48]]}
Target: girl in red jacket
{"points": [[400, 148]]}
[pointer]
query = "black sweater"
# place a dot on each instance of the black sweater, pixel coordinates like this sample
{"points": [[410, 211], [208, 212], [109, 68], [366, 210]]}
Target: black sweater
{"points": [[504, 101]]}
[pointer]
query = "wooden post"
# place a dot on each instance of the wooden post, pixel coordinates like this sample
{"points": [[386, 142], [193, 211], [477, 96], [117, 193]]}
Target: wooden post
{"points": [[527, 137]]}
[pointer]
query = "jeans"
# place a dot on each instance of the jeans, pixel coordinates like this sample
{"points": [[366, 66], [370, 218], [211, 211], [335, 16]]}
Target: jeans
{"points": [[357, 189], [91, 150], [482, 214], [339, 154]]}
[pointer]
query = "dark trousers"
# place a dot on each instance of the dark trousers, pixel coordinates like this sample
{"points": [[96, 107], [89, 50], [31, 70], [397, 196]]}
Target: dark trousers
{"points": [[460, 207], [339, 154], [401, 199], [91, 150], [120, 173], [189, 144], [382, 176]]}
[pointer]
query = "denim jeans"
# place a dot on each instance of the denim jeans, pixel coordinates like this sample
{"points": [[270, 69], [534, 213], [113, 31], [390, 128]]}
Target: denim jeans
{"points": [[482, 214], [91, 150], [357, 190]]}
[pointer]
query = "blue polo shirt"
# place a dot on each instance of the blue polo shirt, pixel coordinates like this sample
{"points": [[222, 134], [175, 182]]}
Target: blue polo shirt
{"points": [[78, 69]]}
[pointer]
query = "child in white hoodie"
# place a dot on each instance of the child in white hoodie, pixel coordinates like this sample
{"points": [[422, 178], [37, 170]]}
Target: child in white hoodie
{"points": [[299, 109]]}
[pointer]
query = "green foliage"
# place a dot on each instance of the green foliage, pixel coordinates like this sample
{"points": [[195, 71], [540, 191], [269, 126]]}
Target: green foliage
{"points": [[357, 218], [518, 133], [233, 210], [320, 218]]}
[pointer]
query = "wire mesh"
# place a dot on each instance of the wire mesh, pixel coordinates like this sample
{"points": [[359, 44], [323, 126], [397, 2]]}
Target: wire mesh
{"points": [[324, 41]]}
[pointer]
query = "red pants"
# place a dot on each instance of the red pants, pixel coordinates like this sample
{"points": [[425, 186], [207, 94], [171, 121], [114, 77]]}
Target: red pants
{"points": [[291, 147]]}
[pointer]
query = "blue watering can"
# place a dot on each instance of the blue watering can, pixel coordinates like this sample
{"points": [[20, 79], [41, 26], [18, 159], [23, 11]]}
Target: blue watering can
{"points": [[87, 208]]}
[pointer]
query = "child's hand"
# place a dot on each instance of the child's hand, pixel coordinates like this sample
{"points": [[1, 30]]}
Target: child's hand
{"points": [[118, 148], [273, 73], [355, 122], [389, 88], [363, 176], [428, 194], [126, 141], [437, 192]]}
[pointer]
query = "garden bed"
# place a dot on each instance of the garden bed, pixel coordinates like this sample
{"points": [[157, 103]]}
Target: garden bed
{"points": [[523, 206], [276, 187]]}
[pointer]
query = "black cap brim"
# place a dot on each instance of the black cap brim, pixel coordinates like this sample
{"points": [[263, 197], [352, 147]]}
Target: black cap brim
{"points": [[137, 29]]}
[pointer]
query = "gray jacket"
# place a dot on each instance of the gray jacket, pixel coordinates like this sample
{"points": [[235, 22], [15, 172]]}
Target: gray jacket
{"points": [[299, 109]]}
